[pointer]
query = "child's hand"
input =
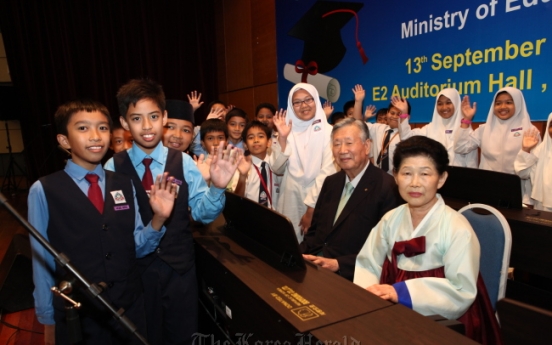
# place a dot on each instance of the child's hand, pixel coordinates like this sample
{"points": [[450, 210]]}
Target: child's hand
{"points": [[328, 109], [224, 164], [50, 334], [359, 92], [468, 111], [280, 123], [229, 107], [245, 165], [400, 103], [203, 165], [530, 139], [194, 99], [306, 220], [370, 112], [216, 113], [162, 195]]}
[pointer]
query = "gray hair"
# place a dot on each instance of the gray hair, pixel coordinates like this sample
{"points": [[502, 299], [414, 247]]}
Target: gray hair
{"points": [[364, 133]]}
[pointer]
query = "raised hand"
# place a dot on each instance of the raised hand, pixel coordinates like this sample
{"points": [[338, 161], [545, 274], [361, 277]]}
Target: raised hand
{"points": [[224, 164], [162, 195], [370, 112], [216, 113], [194, 98], [245, 165], [359, 92], [468, 111], [280, 123], [530, 139], [204, 165], [229, 107], [328, 109], [400, 103]]}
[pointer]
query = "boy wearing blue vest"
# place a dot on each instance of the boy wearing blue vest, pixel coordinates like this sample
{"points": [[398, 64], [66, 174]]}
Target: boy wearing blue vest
{"points": [[91, 215], [169, 277]]}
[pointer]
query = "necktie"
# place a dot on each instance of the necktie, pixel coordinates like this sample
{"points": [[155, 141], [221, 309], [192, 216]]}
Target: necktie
{"points": [[344, 198], [384, 154], [95, 192], [263, 199], [147, 179]]}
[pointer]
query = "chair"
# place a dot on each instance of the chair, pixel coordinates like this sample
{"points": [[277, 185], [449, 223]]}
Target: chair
{"points": [[495, 239]]}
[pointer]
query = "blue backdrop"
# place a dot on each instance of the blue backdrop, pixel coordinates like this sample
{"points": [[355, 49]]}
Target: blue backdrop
{"points": [[417, 47]]}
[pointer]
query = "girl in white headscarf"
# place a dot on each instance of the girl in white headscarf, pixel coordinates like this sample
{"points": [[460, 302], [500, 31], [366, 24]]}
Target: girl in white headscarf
{"points": [[500, 138], [444, 124], [311, 158], [534, 161]]}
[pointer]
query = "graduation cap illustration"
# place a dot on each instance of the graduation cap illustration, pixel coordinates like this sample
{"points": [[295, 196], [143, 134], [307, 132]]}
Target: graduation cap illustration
{"points": [[320, 29]]}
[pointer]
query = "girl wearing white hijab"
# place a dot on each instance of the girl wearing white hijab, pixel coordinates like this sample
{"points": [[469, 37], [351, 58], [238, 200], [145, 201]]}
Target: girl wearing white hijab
{"points": [[534, 161], [443, 126], [311, 158], [500, 138]]}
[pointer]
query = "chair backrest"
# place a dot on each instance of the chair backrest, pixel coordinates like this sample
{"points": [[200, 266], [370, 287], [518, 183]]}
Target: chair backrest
{"points": [[495, 239]]}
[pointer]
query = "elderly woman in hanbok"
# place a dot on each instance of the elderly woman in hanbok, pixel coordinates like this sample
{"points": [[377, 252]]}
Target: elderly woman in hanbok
{"points": [[424, 254]]}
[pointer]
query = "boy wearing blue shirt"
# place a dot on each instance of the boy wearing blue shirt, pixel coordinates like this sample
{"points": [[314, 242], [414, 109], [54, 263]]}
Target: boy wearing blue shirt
{"points": [[92, 216], [169, 279]]}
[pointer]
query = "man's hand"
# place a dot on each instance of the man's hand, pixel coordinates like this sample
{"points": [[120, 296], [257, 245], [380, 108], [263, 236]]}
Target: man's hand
{"points": [[330, 264], [224, 164], [194, 98]]}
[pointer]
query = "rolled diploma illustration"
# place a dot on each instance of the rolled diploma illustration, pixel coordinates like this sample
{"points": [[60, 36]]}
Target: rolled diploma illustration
{"points": [[327, 87]]}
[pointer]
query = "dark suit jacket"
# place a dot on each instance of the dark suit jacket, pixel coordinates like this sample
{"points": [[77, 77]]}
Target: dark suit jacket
{"points": [[375, 194]]}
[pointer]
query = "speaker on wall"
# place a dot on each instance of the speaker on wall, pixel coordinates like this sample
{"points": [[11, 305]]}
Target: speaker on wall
{"points": [[16, 278]]}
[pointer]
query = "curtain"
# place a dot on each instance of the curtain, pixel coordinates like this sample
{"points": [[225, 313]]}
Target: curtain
{"points": [[60, 50]]}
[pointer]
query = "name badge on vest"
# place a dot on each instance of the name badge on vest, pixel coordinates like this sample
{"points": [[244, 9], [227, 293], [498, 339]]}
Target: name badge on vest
{"points": [[118, 197], [517, 131], [177, 183]]}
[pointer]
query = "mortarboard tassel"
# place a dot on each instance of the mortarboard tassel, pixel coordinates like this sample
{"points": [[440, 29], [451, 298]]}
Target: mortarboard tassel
{"points": [[359, 46]]}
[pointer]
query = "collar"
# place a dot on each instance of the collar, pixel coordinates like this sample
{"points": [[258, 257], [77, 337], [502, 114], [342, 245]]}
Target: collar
{"points": [[357, 178], [258, 161], [137, 155], [77, 172]]}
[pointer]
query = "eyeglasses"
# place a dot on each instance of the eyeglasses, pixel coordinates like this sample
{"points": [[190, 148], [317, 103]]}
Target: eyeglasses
{"points": [[307, 101]]}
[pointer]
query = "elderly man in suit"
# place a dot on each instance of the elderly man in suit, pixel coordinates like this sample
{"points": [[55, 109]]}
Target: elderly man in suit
{"points": [[351, 202]]}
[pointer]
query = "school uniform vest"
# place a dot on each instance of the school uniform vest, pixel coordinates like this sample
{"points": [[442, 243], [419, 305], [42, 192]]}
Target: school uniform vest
{"points": [[100, 246], [176, 247]]}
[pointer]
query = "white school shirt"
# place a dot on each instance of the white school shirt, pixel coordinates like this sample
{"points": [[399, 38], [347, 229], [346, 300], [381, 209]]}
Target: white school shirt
{"points": [[377, 134]]}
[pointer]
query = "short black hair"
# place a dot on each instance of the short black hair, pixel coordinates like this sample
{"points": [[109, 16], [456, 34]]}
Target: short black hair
{"points": [[213, 125], [65, 111], [138, 89], [419, 145], [381, 112], [267, 106], [338, 115], [348, 105], [256, 124], [217, 101], [236, 112]]}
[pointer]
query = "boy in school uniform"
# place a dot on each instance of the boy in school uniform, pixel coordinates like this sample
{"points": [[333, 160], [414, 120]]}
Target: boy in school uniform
{"points": [[178, 132], [258, 177], [92, 216], [169, 278], [236, 119], [212, 132]]}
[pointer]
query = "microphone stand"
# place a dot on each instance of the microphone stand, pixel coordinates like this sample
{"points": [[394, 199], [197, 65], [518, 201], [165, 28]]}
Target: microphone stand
{"points": [[63, 260]]}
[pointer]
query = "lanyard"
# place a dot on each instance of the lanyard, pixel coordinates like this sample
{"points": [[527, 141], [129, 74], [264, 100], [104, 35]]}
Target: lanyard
{"points": [[383, 149], [263, 182]]}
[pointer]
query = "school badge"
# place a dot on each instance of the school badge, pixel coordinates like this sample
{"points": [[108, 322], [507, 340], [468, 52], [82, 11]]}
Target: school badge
{"points": [[118, 197]]}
